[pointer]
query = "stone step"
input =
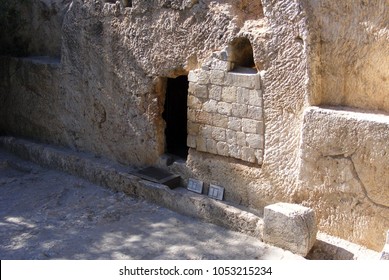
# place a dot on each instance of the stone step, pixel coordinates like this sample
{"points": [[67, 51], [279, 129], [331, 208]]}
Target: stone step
{"points": [[122, 179]]}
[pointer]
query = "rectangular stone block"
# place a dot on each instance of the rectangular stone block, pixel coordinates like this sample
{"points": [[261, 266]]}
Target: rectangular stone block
{"points": [[254, 112], [239, 110], [242, 80], [222, 149], [202, 77], [201, 144], [215, 92], [255, 98], [217, 64], [258, 81], [242, 95], [235, 123], [203, 117], [251, 126], [219, 134], [200, 91], [211, 146], [241, 139], [254, 141], [194, 102], [259, 155], [235, 151], [217, 77], [290, 226], [206, 131], [248, 154], [191, 141], [210, 106], [224, 108], [230, 136], [220, 120], [229, 94]]}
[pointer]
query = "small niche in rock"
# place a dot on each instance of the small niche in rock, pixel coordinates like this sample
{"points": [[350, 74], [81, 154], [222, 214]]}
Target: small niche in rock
{"points": [[241, 55], [126, 3]]}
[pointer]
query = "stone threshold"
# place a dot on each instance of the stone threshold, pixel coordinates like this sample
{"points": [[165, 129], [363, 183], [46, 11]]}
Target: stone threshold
{"points": [[121, 178]]}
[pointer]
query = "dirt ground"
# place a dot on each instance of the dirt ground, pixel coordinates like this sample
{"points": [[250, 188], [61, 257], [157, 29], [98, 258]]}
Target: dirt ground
{"points": [[46, 214]]}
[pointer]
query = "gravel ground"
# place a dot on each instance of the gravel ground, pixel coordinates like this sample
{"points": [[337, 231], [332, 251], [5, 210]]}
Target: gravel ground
{"points": [[46, 214]]}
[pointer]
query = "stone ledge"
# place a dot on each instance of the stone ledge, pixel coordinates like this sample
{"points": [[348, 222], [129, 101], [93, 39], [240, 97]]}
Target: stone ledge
{"points": [[119, 178]]}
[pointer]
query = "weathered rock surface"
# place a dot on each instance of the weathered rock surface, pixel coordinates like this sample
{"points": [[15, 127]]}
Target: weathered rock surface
{"points": [[106, 95], [123, 179], [344, 171], [47, 214], [117, 178], [351, 53], [290, 226], [32, 27]]}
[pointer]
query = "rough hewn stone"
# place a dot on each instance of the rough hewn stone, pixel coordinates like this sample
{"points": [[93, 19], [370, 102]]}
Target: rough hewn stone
{"points": [[229, 94], [240, 110], [359, 76], [250, 126], [219, 134], [216, 77], [210, 106], [254, 141], [222, 149], [344, 155], [224, 108], [191, 141], [220, 120], [106, 94], [215, 92], [248, 154], [290, 226]]}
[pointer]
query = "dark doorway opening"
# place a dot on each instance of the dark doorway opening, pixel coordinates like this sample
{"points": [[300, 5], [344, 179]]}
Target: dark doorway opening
{"points": [[175, 116]]}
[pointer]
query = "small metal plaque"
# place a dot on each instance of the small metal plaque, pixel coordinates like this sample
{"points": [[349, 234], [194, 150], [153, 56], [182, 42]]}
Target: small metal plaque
{"points": [[216, 192], [195, 185]]}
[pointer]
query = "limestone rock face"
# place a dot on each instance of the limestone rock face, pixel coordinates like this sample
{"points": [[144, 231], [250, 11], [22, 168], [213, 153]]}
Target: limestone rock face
{"points": [[32, 27], [114, 65], [354, 61], [344, 171]]}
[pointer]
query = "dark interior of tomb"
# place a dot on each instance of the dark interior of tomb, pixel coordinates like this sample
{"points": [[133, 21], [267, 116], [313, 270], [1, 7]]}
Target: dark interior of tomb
{"points": [[175, 116], [242, 56]]}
